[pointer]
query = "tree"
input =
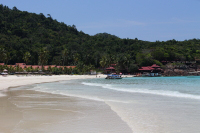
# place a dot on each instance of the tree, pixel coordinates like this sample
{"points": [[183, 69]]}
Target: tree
{"points": [[1, 68], [49, 69], [43, 56], [103, 62], [65, 53], [29, 69], [6, 57], [144, 59], [80, 66], [26, 57], [3, 55], [133, 68], [76, 58], [158, 54], [127, 60], [49, 15], [55, 70], [15, 8], [166, 56]]}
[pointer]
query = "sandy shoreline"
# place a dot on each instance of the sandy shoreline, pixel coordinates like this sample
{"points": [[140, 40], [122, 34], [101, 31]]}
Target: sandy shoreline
{"points": [[14, 81], [31, 111]]}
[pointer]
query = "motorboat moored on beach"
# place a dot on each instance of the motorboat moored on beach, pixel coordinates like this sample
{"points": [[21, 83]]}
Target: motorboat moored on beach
{"points": [[4, 74], [111, 76]]}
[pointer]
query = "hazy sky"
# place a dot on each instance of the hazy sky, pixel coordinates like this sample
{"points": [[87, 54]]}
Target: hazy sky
{"points": [[148, 20]]}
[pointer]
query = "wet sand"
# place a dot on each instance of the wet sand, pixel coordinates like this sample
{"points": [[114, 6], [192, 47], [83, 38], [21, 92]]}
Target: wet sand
{"points": [[28, 111]]}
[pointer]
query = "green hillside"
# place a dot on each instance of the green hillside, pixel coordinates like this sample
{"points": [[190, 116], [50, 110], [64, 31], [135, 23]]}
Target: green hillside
{"points": [[36, 39]]}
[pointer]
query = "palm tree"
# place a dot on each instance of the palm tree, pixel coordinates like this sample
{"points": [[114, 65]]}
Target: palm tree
{"points": [[103, 62], [43, 56], [26, 57], [127, 59], [76, 58], [64, 55], [4, 55], [1, 52]]}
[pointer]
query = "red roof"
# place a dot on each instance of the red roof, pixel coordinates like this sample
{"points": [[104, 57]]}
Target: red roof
{"points": [[62, 67], [52, 66], [27, 66], [46, 67], [35, 66], [110, 68], [59, 66], [148, 68], [11, 65], [20, 64], [40, 67], [155, 66], [23, 65], [70, 66]]}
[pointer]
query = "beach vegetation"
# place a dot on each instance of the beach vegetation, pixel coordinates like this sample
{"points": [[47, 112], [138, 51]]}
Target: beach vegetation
{"points": [[41, 40], [26, 57]]}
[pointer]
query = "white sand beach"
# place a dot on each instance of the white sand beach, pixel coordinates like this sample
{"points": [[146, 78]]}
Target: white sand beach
{"points": [[13, 81]]}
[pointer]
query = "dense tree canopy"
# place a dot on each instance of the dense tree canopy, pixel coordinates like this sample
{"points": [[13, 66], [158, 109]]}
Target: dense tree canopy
{"points": [[36, 39]]}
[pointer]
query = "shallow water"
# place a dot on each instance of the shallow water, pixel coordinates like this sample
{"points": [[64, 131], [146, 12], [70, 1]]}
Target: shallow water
{"points": [[28, 111], [145, 105]]}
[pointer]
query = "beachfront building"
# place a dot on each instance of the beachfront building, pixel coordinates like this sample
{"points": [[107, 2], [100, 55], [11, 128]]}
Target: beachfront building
{"points": [[23, 68], [110, 70], [151, 71], [21, 65]]}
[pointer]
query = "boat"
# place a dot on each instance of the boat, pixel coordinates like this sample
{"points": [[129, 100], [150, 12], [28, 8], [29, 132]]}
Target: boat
{"points": [[111, 76], [4, 74], [145, 74]]}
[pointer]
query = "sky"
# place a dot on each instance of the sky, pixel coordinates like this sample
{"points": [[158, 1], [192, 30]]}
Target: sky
{"points": [[148, 20]]}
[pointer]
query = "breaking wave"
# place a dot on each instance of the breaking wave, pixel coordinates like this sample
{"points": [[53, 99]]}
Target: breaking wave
{"points": [[146, 91]]}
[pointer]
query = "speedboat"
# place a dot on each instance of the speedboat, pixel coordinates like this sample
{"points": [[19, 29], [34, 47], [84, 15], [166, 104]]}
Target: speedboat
{"points": [[113, 77]]}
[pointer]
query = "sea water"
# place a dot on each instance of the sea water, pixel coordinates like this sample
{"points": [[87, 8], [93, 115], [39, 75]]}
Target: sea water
{"points": [[145, 104]]}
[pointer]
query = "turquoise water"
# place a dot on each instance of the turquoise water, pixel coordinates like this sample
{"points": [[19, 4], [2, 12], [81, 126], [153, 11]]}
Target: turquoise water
{"points": [[180, 87], [145, 104]]}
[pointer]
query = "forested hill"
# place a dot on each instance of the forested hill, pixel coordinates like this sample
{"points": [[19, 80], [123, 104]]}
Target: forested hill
{"points": [[36, 39]]}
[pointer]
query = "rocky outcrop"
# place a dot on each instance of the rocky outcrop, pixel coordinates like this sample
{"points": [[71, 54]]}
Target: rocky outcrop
{"points": [[180, 70]]}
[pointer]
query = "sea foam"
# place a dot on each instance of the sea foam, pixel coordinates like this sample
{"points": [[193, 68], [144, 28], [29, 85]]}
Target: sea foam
{"points": [[64, 93], [145, 91]]}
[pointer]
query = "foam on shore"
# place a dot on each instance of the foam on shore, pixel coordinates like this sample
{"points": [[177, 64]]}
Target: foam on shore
{"points": [[14, 81]]}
